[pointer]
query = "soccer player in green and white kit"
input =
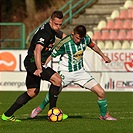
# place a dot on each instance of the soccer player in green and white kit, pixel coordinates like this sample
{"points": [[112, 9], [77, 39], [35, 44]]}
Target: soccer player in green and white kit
{"points": [[71, 69]]}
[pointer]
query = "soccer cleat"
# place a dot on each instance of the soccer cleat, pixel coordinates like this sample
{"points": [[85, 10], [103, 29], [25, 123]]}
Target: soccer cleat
{"points": [[35, 112], [64, 116], [11, 118], [107, 117]]}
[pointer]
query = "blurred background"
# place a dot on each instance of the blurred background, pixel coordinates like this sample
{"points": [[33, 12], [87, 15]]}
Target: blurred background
{"points": [[104, 20]]}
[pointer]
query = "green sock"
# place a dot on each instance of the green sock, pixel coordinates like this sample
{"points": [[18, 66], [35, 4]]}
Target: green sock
{"points": [[103, 106], [45, 101]]}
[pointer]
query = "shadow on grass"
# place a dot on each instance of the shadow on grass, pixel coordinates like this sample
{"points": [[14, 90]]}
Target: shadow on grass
{"points": [[38, 118], [44, 117]]}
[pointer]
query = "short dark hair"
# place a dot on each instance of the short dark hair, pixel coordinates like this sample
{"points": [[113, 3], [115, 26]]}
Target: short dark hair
{"points": [[81, 30], [57, 14]]}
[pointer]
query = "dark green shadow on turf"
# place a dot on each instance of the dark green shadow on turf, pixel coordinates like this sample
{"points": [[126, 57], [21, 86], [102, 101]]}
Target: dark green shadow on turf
{"points": [[69, 117]]}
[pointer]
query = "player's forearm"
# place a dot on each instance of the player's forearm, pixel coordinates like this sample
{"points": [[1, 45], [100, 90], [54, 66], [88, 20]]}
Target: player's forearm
{"points": [[37, 56], [98, 51], [48, 60]]}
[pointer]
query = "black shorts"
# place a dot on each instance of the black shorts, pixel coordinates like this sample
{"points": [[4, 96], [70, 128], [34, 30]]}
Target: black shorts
{"points": [[33, 81]]}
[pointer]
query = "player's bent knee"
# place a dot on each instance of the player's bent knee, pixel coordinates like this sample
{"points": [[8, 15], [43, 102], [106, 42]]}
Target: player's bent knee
{"points": [[36, 91], [99, 91], [33, 92], [56, 82], [56, 79], [101, 94]]}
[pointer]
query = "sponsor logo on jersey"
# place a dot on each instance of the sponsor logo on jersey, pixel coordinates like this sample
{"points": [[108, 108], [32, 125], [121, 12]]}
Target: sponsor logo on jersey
{"points": [[78, 55], [41, 40]]}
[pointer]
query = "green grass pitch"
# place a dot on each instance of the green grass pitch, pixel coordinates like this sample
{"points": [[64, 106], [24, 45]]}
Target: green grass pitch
{"points": [[81, 108]]}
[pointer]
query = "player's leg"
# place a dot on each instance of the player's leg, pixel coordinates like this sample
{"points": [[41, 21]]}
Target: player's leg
{"points": [[53, 94], [97, 89], [102, 102], [20, 101], [46, 100], [50, 75], [31, 81], [65, 80], [41, 107], [88, 82]]}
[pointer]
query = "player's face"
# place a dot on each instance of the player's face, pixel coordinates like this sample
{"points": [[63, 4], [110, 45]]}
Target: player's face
{"points": [[76, 37], [56, 23]]}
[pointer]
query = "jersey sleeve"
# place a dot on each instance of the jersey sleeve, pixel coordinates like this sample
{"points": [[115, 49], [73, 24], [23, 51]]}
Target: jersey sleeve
{"points": [[41, 37], [59, 34], [89, 42], [58, 49]]}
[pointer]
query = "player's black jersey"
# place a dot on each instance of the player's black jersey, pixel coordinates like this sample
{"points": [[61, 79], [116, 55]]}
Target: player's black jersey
{"points": [[46, 37]]}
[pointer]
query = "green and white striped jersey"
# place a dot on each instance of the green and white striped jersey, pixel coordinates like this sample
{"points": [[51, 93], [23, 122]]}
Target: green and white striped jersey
{"points": [[71, 58]]}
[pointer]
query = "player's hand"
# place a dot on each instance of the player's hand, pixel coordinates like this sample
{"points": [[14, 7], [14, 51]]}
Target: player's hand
{"points": [[38, 72], [106, 59]]}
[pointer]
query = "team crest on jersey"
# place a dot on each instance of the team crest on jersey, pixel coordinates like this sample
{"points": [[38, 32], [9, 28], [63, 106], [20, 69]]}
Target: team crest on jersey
{"points": [[41, 40], [77, 56]]}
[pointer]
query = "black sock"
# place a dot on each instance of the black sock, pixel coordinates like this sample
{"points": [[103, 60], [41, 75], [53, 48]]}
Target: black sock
{"points": [[53, 95], [21, 100]]}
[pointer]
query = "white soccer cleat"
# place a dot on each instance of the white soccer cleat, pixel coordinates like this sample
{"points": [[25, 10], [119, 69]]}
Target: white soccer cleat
{"points": [[107, 117]]}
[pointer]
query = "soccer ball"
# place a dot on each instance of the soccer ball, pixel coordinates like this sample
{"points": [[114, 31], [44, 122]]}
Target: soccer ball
{"points": [[55, 114]]}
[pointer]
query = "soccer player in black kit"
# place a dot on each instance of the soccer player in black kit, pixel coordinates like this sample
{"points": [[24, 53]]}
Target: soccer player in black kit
{"points": [[38, 52]]}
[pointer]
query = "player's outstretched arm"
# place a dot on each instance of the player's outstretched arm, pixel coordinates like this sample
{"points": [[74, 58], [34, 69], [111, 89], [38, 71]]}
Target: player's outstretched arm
{"points": [[98, 50]]}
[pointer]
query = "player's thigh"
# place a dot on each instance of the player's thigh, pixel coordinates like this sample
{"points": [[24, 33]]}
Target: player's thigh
{"points": [[47, 73], [56, 79], [67, 77], [82, 77], [32, 84], [90, 84], [98, 90], [32, 92], [32, 81]]}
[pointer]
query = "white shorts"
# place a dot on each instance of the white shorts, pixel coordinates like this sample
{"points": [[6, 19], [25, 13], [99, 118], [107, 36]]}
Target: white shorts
{"points": [[80, 77]]}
